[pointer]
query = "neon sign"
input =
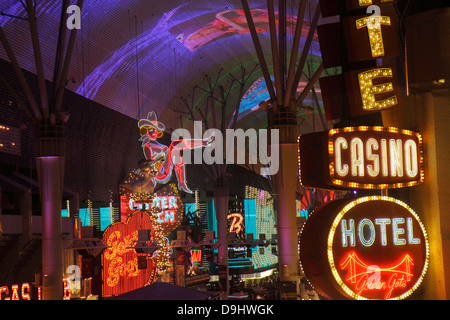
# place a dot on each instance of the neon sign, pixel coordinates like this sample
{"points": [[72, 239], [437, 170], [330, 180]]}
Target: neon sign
{"points": [[121, 270], [236, 222], [368, 248], [366, 278], [26, 291], [165, 159], [168, 204], [236, 225], [13, 293], [362, 157], [196, 257], [167, 199]]}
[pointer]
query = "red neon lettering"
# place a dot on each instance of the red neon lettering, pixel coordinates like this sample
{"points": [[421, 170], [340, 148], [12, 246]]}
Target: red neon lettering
{"points": [[26, 295], [366, 277], [15, 292], [395, 282], [4, 289], [236, 224], [67, 293]]}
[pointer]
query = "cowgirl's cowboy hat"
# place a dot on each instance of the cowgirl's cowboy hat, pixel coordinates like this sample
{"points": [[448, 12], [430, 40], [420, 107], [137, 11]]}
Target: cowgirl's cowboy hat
{"points": [[152, 121]]}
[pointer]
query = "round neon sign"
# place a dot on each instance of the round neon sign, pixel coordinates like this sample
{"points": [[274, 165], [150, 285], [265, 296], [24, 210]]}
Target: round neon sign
{"points": [[373, 248]]}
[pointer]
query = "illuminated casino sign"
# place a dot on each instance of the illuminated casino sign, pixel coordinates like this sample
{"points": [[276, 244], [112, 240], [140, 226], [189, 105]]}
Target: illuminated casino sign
{"points": [[368, 248], [361, 157], [123, 268], [166, 198]]}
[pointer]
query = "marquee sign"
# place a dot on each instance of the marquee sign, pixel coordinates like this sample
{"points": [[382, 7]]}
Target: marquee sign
{"points": [[361, 157], [123, 268], [367, 248]]}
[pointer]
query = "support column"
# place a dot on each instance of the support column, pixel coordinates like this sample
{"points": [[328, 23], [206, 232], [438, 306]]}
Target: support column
{"points": [[50, 168], [431, 198], [429, 114], [285, 185], [26, 213], [427, 110], [221, 206], [50, 171]]}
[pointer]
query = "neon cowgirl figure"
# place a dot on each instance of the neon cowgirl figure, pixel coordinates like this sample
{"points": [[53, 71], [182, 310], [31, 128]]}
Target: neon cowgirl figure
{"points": [[162, 158]]}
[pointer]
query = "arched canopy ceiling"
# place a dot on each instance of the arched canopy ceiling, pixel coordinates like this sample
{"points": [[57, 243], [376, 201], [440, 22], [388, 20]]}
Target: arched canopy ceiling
{"points": [[136, 56]]}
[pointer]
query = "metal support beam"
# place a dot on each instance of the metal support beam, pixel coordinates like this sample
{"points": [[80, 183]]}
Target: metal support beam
{"points": [[16, 96], [305, 51], [37, 57], [20, 75], [294, 53], [221, 206], [60, 46], [275, 57], [62, 84], [282, 43], [319, 110], [310, 85], [259, 52]]}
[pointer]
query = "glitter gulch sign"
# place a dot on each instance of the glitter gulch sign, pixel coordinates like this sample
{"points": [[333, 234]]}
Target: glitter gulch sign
{"points": [[167, 199]]}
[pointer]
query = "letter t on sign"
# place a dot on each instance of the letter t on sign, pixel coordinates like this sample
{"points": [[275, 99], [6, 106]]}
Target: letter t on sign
{"points": [[373, 24]]}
